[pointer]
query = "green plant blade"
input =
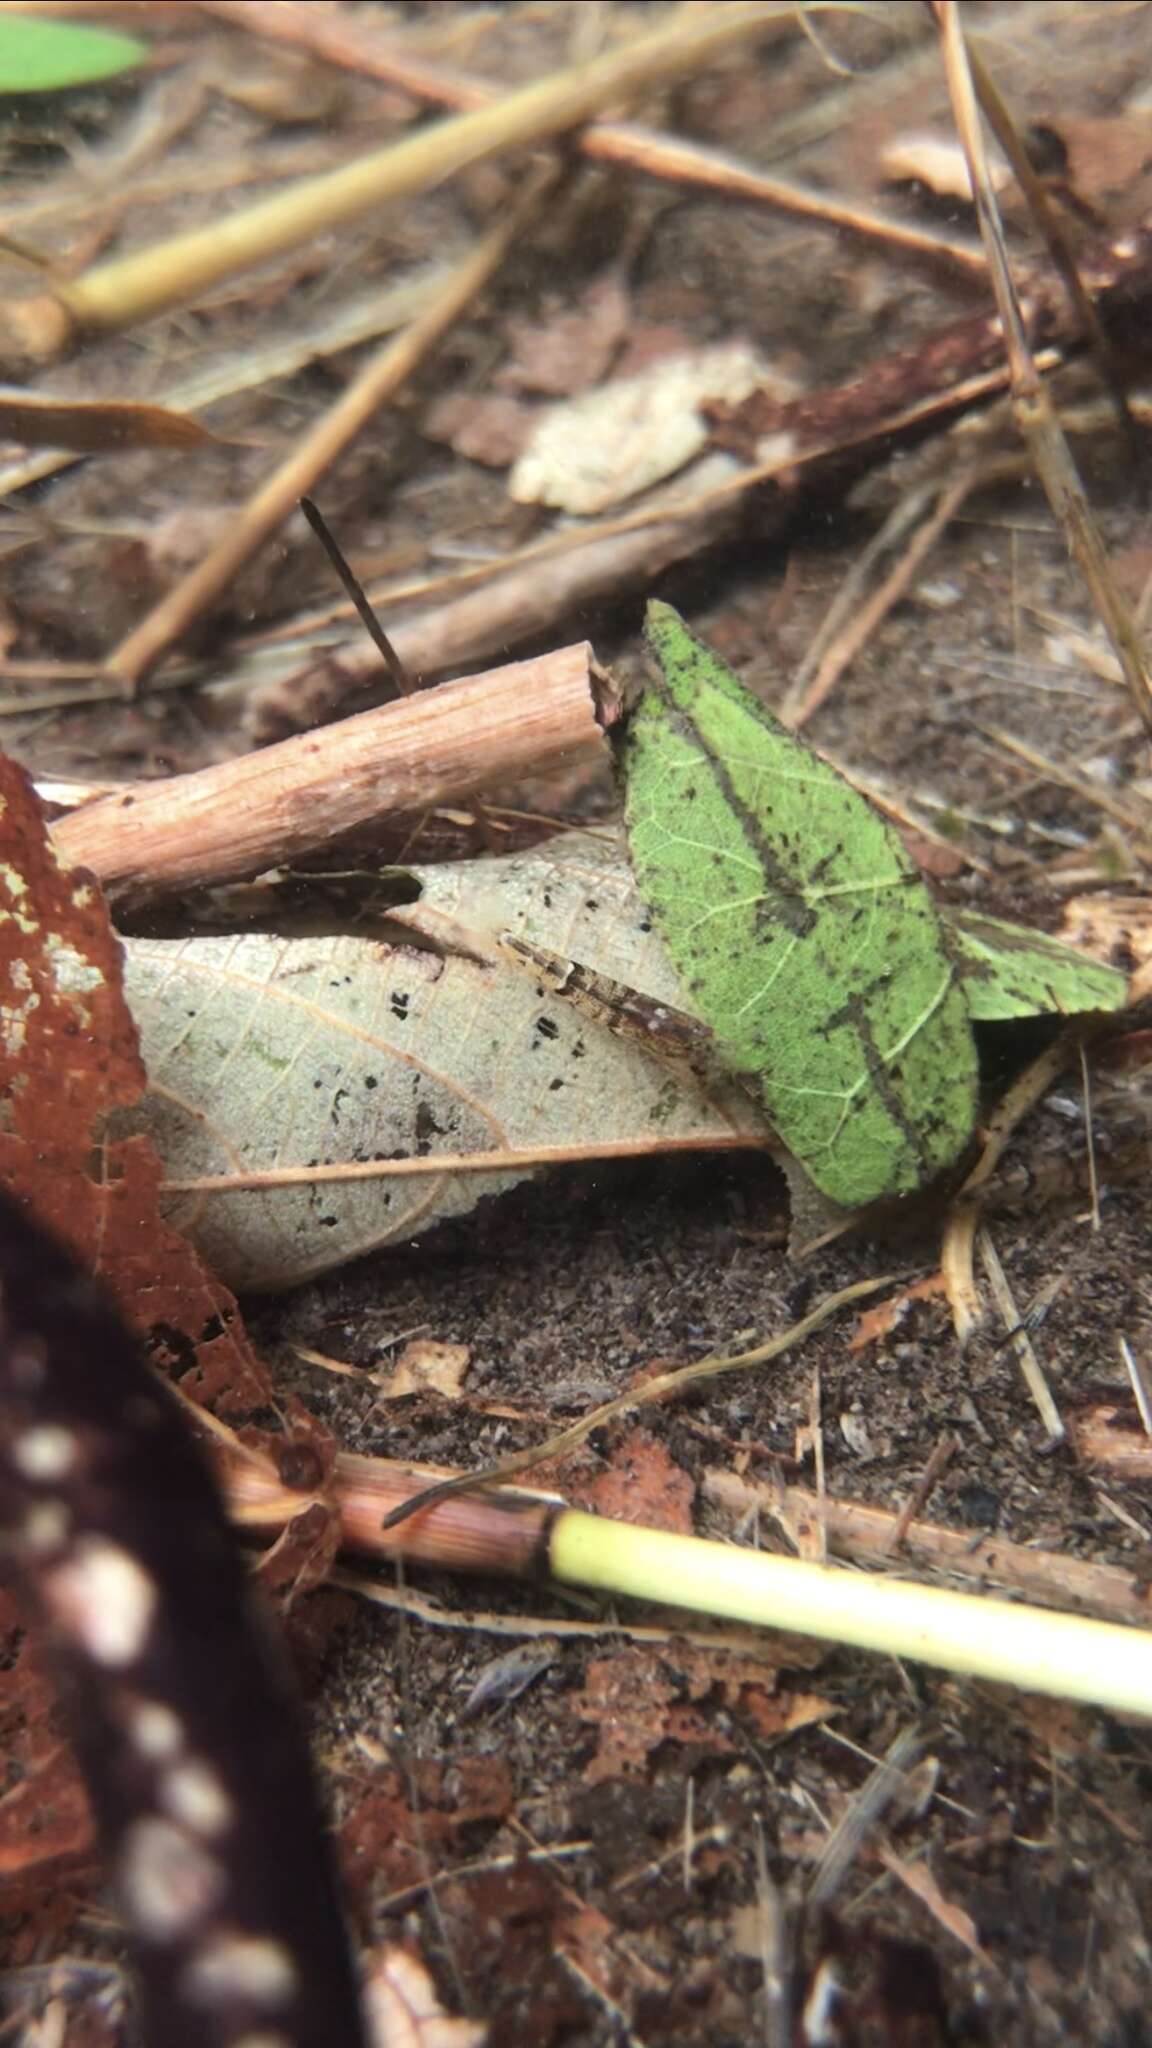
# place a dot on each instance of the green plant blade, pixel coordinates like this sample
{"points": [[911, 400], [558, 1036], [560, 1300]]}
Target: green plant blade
{"points": [[1009, 971], [49, 56], [803, 931]]}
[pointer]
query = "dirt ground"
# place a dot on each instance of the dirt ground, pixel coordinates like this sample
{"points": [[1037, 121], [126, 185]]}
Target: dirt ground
{"points": [[609, 1853]]}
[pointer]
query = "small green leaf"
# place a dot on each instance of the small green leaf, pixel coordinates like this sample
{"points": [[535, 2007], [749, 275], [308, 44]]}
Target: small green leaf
{"points": [[1009, 971], [49, 56], [803, 931]]}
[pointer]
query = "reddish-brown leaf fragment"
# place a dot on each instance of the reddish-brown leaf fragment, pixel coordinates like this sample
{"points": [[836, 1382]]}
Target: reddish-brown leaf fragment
{"points": [[69, 1059], [571, 347], [642, 1484]]}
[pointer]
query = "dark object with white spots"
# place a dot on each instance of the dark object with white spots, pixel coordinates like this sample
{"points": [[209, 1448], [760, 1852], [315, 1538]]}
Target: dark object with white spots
{"points": [[180, 1701]]}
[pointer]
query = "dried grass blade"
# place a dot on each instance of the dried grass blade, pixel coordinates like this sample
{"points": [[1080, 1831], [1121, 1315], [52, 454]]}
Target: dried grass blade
{"points": [[1035, 413]]}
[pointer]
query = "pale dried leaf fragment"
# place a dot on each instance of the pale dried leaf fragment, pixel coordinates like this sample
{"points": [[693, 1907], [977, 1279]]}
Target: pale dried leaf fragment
{"points": [[427, 1366], [936, 162], [265, 1052], [607, 445], [403, 2010], [1113, 927], [576, 897]]}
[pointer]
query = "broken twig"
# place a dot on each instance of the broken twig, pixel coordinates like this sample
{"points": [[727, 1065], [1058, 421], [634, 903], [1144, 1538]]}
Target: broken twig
{"points": [[242, 816]]}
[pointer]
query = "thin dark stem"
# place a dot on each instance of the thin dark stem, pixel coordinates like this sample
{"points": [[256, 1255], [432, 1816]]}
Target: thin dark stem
{"points": [[355, 591]]}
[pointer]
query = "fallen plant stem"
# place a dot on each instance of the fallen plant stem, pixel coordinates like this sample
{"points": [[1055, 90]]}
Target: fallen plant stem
{"points": [[870, 1535], [150, 281], [486, 1621], [1032, 404], [1127, 815], [1094, 1661], [959, 1242], [1052, 227], [1019, 1339], [341, 327], [1099, 1662], [863, 619], [339, 39], [380, 378], [544, 582], [354, 590], [508, 1160], [239, 817], [657, 1389]]}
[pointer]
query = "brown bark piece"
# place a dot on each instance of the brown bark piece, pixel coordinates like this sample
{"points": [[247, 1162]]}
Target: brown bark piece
{"points": [[235, 819]]}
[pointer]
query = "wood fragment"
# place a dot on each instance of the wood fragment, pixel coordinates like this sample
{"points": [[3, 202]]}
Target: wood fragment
{"points": [[959, 365], [1106, 1441], [239, 817], [504, 604], [865, 1535]]}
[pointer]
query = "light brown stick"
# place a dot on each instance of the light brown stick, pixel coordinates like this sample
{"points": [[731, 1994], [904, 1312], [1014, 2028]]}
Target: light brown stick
{"points": [[503, 1531], [866, 1533], [234, 820]]}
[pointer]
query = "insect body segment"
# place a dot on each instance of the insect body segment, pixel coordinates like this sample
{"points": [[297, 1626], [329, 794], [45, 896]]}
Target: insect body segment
{"points": [[669, 1033]]}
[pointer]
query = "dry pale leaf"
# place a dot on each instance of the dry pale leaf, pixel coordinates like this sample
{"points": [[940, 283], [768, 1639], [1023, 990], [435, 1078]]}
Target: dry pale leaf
{"points": [[403, 2010], [576, 897], [428, 1366], [267, 1052], [604, 446], [936, 162]]}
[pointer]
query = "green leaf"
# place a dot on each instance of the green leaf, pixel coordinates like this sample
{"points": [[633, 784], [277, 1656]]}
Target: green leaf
{"points": [[48, 56], [1009, 971], [805, 935]]}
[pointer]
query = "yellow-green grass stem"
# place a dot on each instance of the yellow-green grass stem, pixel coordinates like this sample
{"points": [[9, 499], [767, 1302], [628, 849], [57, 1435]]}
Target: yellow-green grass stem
{"points": [[136, 287], [1098, 1663]]}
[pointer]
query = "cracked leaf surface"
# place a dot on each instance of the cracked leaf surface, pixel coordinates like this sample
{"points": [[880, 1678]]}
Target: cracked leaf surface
{"points": [[801, 927]]}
